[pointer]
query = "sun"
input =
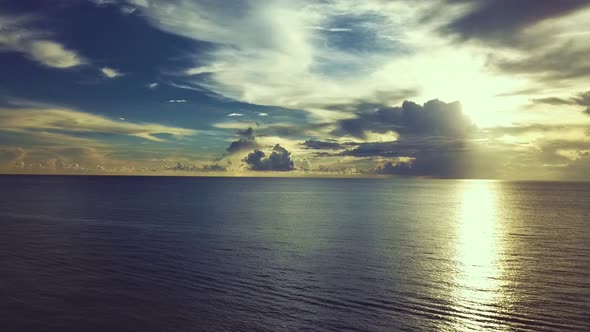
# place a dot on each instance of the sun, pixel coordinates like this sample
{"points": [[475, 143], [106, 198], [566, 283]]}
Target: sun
{"points": [[463, 75]]}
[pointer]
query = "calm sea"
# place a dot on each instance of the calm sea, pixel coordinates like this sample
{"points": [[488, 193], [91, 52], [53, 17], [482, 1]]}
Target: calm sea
{"points": [[240, 254]]}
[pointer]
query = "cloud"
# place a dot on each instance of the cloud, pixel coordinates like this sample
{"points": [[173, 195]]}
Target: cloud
{"points": [[539, 42], [460, 160], [110, 72], [152, 85], [499, 20], [59, 122], [582, 99], [323, 145], [559, 62], [247, 141], [247, 133], [11, 156], [127, 10], [193, 168], [16, 35], [235, 114], [177, 101], [332, 29], [316, 55], [262, 114], [434, 118], [213, 168], [241, 144], [279, 160], [51, 159], [266, 53], [53, 54]]}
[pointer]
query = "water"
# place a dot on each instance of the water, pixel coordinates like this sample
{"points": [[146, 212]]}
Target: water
{"points": [[228, 254]]}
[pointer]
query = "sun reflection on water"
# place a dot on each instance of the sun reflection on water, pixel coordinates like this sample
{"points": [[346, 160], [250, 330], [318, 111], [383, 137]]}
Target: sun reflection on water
{"points": [[476, 254]]}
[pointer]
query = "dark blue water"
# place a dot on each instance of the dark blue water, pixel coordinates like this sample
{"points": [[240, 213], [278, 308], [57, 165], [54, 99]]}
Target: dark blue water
{"points": [[230, 254]]}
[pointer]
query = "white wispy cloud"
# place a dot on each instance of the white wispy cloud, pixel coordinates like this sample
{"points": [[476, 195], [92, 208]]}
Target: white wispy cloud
{"points": [[177, 101], [110, 72], [332, 29], [152, 85], [59, 122], [235, 114], [127, 10], [16, 35], [289, 54], [53, 54]]}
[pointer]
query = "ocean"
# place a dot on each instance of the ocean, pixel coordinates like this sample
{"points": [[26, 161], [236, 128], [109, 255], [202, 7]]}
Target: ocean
{"points": [[292, 254]]}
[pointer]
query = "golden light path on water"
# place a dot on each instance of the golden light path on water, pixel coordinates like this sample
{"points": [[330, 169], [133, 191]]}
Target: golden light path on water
{"points": [[477, 294]]}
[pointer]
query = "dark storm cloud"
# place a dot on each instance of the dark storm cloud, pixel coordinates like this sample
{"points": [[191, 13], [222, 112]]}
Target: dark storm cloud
{"points": [[581, 99], [466, 161], [434, 118], [322, 145], [500, 20], [434, 136], [279, 160], [241, 145], [436, 164], [440, 165], [546, 57], [247, 141], [246, 133], [406, 147], [558, 63]]}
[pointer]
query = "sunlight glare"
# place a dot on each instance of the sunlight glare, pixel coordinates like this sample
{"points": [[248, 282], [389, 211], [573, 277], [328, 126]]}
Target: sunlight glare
{"points": [[477, 248]]}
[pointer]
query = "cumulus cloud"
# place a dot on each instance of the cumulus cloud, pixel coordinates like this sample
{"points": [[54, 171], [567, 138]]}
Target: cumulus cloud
{"points": [[241, 145], [434, 118], [32, 121], [194, 168], [213, 168], [279, 160], [17, 35], [247, 141], [51, 159], [11, 156], [110, 72]]}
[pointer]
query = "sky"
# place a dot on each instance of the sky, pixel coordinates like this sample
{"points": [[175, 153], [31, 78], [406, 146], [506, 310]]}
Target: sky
{"points": [[488, 89]]}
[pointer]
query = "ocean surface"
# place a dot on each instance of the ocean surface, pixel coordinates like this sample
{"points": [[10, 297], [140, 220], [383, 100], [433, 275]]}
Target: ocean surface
{"points": [[283, 254]]}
